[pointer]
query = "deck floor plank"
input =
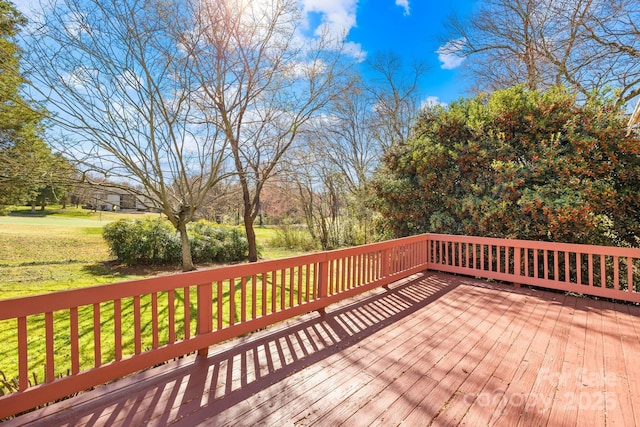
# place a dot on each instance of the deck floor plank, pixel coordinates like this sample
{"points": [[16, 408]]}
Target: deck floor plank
{"points": [[592, 407], [489, 402], [434, 349], [631, 345], [435, 365], [492, 350], [565, 406], [620, 411]]}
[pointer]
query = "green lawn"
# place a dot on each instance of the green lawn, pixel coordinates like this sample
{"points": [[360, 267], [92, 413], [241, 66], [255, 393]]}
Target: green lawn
{"points": [[46, 253], [64, 249]]}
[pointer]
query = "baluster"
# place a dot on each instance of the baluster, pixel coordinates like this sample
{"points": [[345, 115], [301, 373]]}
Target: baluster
{"points": [[48, 322], [171, 310], [75, 348], [23, 359], [155, 341], [97, 351], [117, 328]]}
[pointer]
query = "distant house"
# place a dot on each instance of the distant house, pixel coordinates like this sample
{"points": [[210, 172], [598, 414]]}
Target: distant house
{"points": [[109, 199]]}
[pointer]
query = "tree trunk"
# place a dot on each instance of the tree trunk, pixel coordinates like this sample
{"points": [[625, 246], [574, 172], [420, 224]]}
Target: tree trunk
{"points": [[251, 237], [33, 207], [187, 260]]}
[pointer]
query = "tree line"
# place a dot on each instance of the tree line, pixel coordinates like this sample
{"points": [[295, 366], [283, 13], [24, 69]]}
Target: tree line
{"points": [[180, 101], [198, 105]]}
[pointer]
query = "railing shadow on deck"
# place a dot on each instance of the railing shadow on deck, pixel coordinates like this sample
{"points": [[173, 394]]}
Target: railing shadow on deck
{"points": [[210, 385]]}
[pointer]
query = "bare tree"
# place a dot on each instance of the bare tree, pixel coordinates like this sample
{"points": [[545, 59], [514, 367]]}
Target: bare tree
{"points": [[501, 43], [614, 26], [262, 83], [344, 146], [333, 170], [123, 96], [585, 44], [321, 193], [395, 96], [347, 137]]}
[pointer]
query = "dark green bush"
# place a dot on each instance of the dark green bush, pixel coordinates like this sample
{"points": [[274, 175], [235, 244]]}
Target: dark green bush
{"points": [[234, 246], [155, 242], [143, 242]]}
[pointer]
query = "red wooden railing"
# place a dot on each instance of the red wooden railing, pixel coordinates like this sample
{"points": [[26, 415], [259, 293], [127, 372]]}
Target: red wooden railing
{"points": [[98, 334], [154, 320], [602, 271]]}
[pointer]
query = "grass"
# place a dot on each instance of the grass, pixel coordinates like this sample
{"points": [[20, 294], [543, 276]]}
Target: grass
{"points": [[63, 249], [47, 253]]}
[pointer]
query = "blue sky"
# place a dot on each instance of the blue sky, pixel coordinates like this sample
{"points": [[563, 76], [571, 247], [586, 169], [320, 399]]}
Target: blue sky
{"points": [[411, 29], [383, 26]]}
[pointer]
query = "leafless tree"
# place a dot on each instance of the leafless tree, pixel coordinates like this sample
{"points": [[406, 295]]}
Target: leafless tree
{"points": [[394, 89], [585, 44], [343, 147], [340, 156], [501, 42], [321, 193], [124, 97], [614, 26], [347, 137], [262, 82]]}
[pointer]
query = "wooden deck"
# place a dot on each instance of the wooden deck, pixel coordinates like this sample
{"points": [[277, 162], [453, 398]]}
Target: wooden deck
{"points": [[434, 349]]}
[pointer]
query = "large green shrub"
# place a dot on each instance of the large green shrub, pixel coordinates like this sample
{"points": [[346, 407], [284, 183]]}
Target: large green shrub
{"points": [[211, 243], [517, 164], [155, 242]]}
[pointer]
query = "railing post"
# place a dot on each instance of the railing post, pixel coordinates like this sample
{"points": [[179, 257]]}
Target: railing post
{"points": [[427, 254], [205, 321]]}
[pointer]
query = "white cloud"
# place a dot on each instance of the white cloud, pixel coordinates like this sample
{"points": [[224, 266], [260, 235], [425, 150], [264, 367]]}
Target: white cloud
{"points": [[338, 16], [432, 101], [405, 5], [355, 50], [448, 54]]}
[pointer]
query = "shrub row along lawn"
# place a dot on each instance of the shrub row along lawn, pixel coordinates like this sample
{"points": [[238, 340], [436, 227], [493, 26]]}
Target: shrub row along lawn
{"points": [[41, 254]]}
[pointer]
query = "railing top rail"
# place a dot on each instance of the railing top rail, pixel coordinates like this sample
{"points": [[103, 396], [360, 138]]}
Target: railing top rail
{"points": [[532, 244], [25, 306]]}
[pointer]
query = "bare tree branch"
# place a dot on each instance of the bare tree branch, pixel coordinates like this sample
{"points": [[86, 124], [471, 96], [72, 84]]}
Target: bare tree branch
{"points": [[124, 96]]}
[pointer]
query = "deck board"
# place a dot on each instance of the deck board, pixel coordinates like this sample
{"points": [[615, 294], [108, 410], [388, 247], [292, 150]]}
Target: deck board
{"points": [[434, 349]]}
